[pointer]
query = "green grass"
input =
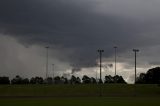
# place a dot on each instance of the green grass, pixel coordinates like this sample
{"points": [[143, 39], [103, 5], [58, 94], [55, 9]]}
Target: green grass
{"points": [[79, 95], [82, 101], [108, 90]]}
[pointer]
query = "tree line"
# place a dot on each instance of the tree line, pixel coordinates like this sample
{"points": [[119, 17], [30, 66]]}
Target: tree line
{"points": [[152, 76], [61, 80]]}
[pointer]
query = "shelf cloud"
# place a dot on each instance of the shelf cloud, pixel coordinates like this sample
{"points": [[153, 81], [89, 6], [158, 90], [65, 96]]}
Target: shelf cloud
{"points": [[75, 29]]}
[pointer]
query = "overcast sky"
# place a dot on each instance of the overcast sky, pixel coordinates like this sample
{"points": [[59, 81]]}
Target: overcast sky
{"points": [[74, 30]]}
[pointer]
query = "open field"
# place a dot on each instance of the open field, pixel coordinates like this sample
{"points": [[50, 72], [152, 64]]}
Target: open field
{"points": [[79, 95], [108, 90], [82, 101]]}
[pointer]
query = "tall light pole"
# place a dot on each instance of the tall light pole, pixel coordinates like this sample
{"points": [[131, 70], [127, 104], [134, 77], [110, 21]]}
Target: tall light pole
{"points": [[96, 75], [100, 66], [135, 51], [47, 47], [100, 61], [115, 48], [53, 70]]}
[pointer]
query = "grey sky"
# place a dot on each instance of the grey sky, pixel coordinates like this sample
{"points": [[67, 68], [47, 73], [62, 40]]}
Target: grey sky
{"points": [[75, 29]]}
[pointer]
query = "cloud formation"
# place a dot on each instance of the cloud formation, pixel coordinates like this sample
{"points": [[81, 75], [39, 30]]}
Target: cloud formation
{"points": [[75, 29]]}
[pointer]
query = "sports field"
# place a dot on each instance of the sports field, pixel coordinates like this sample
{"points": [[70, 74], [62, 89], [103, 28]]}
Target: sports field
{"points": [[82, 101], [79, 95]]}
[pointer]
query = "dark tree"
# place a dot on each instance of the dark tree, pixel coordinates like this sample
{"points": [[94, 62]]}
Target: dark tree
{"points": [[115, 79], [25, 81], [32, 80], [57, 80], [86, 79], [4, 80], [49, 80], [109, 79], [93, 80], [78, 80], [151, 77], [73, 79], [119, 79], [36, 80], [17, 80], [141, 79], [64, 80]]}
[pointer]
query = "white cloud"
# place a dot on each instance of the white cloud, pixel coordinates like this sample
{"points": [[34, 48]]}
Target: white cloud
{"points": [[16, 59]]}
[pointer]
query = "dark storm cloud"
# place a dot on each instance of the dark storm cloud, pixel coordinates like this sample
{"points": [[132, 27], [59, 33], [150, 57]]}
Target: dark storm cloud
{"points": [[79, 26]]}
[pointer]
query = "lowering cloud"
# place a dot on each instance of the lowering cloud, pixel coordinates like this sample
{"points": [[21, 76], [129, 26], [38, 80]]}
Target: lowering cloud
{"points": [[75, 29]]}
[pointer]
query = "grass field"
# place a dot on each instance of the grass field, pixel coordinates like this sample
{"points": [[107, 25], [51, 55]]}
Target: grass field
{"points": [[108, 90], [82, 101], [79, 95]]}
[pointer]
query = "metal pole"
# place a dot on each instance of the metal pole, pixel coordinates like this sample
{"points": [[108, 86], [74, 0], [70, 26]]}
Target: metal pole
{"points": [[115, 60], [135, 50], [47, 62], [53, 70], [96, 75], [135, 66], [100, 60]]}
